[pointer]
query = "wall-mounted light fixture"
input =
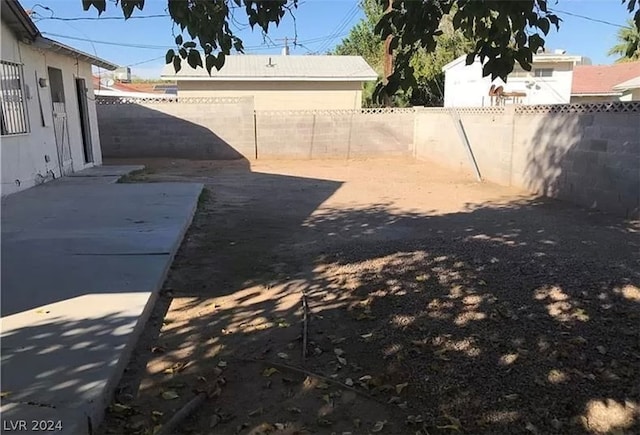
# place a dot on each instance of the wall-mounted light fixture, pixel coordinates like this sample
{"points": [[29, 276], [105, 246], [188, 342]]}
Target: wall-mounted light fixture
{"points": [[43, 82]]}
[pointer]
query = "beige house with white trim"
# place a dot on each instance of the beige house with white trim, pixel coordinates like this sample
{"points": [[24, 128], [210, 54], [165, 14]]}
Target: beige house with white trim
{"points": [[280, 82]]}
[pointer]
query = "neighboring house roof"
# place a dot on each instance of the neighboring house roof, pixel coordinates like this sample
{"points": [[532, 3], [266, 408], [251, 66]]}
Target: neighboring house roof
{"points": [[280, 68], [18, 20], [602, 79], [634, 83], [550, 57], [130, 90]]}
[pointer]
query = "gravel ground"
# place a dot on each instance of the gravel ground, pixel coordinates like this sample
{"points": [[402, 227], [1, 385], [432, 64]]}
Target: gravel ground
{"points": [[436, 305]]}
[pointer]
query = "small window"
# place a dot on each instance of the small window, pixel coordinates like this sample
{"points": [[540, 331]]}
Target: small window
{"points": [[13, 115], [544, 72]]}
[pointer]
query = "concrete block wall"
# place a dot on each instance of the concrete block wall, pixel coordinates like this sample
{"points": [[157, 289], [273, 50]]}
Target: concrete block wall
{"points": [[212, 130], [339, 134], [590, 159]]}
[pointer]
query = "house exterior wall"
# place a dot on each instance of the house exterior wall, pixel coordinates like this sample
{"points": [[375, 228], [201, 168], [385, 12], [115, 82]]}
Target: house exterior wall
{"points": [[280, 95], [586, 99], [465, 86], [631, 95], [24, 156]]}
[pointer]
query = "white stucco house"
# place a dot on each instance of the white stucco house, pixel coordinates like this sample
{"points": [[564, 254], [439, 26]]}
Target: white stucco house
{"points": [[548, 82], [48, 115], [281, 82]]}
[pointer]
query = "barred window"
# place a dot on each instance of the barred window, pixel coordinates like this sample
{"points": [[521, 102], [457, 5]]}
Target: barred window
{"points": [[13, 115]]}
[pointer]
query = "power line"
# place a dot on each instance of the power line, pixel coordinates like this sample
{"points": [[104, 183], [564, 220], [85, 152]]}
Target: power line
{"points": [[166, 47], [133, 17], [349, 16], [595, 20]]}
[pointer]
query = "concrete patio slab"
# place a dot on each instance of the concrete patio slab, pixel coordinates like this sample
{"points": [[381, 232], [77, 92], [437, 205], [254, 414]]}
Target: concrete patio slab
{"points": [[108, 171], [81, 266]]}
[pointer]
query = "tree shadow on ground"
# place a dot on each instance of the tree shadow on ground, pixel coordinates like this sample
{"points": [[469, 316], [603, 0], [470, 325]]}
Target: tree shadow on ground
{"points": [[589, 159], [510, 317]]}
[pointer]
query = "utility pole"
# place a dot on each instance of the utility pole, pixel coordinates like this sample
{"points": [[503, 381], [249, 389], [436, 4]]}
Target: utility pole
{"points": [[388, 58]]}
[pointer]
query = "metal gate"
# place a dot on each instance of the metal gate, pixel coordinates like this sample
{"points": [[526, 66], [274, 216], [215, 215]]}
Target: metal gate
{"points": [[60, 128]]}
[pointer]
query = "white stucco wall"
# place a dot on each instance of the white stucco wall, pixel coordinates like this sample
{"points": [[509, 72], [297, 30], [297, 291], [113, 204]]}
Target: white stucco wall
{"points": [[465, 86], [23, 157]]}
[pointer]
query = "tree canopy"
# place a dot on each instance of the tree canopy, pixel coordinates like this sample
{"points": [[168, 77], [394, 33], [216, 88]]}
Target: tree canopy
{"points": [[628, 46], [429, 88], [504, 32]]}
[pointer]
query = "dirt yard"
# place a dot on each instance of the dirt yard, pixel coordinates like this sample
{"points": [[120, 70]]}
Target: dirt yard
{"points": [[436, 305]]}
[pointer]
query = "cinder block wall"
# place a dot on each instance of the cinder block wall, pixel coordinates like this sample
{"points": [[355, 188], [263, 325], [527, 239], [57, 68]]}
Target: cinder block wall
{"points": [[338, 134], [590, 159], [219, 129]]}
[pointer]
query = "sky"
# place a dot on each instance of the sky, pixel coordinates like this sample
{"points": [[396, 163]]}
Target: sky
{"points": [[319, 25]]}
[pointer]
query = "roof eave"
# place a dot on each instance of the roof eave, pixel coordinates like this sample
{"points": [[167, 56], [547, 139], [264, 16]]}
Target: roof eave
{"points": [[55, 46], [18, 20], [596, 94], [270, 79]]}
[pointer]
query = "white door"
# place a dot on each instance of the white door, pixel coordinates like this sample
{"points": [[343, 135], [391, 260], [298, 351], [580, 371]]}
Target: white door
{"points": [[60, 128]]}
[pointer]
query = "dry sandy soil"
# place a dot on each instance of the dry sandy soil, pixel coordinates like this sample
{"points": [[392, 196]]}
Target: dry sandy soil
{"points": [[435, 305]]}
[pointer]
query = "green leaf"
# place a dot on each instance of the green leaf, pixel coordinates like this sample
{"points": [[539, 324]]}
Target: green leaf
{"points": [[179, 40], [177, 64], [194, 59], [168, 58], [189, 44], [183, 53], [544, 25], [100, 5]]}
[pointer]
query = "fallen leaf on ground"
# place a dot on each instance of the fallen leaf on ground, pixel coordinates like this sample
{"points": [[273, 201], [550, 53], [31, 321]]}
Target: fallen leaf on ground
{"points": [[214, 421], [177, 367], [283, 355], [338, 351], [256, 412], [338, 340], [601, 349], [394, 399], [378, 426], [348, 382], [454, 424], [322, 385], [482, 282], [367, 336], [365, 378], [295, 410], [342, 361], [269, 371], [119, 407], [414, 419], [422, 278], [222, 364], [401, 387], [170, 395], [157, 413], [531, 428], [279, 426], [511, 396], [282, 323], [324, 422]]}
